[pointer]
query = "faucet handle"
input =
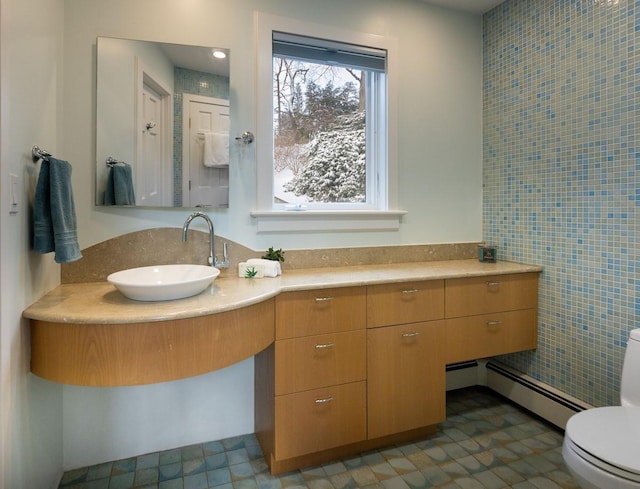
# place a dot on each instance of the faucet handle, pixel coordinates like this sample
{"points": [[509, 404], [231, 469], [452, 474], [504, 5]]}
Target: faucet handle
{"points": [[224, 263]]}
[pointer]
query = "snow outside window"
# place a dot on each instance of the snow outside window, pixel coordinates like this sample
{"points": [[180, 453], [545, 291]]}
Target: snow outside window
{"points": [[331, 145]]}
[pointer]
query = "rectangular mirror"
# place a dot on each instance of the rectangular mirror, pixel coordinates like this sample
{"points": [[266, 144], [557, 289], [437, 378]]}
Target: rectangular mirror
{"points": [[162, 124]]}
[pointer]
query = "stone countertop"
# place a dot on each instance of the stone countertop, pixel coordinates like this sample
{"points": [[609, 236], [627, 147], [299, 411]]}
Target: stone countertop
{"points": [[102, 303]]}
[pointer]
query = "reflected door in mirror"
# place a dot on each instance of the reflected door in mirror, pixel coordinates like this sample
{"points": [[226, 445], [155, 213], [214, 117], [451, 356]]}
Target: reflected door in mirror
{"points": [[153, 172], [206, 166]]}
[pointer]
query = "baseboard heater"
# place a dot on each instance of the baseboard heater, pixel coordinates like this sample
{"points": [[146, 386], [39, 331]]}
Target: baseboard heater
{"points": [[547, 402], [461, 366]]}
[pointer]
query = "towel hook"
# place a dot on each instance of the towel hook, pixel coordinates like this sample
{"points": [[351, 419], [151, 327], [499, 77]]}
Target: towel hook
{"points": [[37, 153], [111, 161], [246, 138]]}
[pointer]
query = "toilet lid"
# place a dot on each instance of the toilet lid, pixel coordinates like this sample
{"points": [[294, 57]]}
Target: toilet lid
{"points": [[609, 434]]}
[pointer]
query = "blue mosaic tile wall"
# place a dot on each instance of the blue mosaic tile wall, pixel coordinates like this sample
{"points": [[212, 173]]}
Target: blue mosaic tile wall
{"points": [[562, 178], [196, 83]]}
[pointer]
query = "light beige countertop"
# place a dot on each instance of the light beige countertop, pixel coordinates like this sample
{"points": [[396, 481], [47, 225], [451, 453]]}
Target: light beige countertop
{"points": [[101, 303]]}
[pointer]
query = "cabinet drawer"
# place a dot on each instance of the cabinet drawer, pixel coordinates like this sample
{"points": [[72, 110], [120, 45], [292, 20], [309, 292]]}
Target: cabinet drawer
{"points": [[320, 361], [313, 312], [483, 295], [312, 421], [487, 335], [407, 302]]}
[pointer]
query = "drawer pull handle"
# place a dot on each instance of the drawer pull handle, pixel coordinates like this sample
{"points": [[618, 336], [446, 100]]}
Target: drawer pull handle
{"points": [[324, 400], [410, 335], [493, 284], [494, 323], [410, 291], [323, 299], [323, 346]]}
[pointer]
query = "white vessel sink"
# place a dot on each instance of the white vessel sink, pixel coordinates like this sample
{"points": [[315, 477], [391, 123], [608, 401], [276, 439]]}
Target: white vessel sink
{"points": [[163, 282]]}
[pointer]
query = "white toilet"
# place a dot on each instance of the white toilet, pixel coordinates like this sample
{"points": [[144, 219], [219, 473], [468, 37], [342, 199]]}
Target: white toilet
{"points": [[602, 445]]}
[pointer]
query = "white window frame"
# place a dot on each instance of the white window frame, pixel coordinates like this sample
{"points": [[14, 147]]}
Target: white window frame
{"points": [[386, 216]]}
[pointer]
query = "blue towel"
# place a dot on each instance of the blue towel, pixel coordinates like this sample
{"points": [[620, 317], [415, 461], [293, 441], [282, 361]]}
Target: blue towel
{"points": [[54, 215], [119, 189]]}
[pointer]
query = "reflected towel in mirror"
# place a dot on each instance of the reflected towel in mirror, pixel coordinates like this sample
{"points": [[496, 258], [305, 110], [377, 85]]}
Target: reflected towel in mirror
{"points": [[216, 149], [119, 189]]}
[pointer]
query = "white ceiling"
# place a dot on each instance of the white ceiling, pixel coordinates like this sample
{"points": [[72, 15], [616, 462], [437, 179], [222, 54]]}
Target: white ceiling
{"points": [[473, 6], [196, 58]]}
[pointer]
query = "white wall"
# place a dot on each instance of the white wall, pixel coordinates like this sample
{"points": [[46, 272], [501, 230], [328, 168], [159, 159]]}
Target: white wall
{"points": [[31, 39], [111, 423], [439, 109], [439, 173]]}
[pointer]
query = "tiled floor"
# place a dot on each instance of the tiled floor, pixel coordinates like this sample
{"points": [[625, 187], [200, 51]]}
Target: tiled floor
{"points": [[486, 442]]}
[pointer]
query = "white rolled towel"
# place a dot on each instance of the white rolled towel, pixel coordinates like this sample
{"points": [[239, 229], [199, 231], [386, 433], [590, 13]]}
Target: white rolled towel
{"points": [[271, 268]]}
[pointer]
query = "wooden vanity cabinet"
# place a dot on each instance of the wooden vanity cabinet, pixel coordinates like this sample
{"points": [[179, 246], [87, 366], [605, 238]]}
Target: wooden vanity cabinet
{"points": [[355, 368], [317, 368], [489, 316], [139, 353], [405, 357]]}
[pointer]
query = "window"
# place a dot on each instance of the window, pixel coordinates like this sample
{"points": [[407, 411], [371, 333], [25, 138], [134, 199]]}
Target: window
{"points": [[330, 128]]}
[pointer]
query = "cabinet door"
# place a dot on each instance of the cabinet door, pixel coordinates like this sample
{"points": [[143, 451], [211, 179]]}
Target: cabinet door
{"points": [[405, 377], [312, 312], [407, 302], [320, 361], [316, 420], [488, 335]]}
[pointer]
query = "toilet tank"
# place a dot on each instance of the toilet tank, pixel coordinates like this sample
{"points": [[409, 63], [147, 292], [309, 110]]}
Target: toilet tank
{"points": [[630, 381]]}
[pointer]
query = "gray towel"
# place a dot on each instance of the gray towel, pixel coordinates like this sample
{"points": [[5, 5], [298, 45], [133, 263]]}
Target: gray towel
{"points": [[119, 189], [54, 214]]}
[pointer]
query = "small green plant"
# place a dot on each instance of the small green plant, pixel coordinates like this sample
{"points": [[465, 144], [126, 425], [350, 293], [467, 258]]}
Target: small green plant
{"points": [[250, 272], [274, 255]]}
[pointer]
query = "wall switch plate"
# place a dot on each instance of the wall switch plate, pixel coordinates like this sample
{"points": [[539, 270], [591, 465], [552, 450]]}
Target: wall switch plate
{"points": [[14, 193]]}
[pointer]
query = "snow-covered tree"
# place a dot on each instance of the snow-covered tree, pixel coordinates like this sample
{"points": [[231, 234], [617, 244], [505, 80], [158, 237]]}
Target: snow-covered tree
{"points": [[336, 163], [319, 138]]}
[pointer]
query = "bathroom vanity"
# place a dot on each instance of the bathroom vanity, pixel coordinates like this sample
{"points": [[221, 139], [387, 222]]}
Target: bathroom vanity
{"points": [[353, 368], [346, 359]]}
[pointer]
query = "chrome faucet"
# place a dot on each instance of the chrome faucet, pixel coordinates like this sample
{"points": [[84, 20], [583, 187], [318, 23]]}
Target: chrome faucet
{"points": [[212, 253]]}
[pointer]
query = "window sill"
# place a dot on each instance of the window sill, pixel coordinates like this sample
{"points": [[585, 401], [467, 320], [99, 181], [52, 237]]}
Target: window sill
{"points": [[313, 221]]}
